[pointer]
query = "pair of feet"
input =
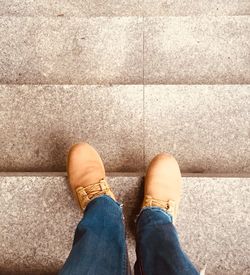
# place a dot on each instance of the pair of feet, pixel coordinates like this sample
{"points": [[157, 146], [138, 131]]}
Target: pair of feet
{"points": [[86, 174]]}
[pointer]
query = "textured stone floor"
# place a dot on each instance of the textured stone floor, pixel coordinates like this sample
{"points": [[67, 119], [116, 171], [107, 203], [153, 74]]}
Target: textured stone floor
{"points": [[196, 7], [205, 127], [71, 50], [124, 7], [197, 50], [39, 123], [125, 50], [38, 217]]}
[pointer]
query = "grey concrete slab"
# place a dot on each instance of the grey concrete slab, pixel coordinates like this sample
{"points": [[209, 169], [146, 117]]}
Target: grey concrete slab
{"points": [[75, 8], [39, 123], [100, 50], [197, 50], [38, 218], [206, 127], [196, 7]]}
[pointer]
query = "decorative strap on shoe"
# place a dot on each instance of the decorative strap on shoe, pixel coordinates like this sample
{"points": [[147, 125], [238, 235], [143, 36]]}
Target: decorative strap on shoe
{"points": [[86, 194], [168, 206]]}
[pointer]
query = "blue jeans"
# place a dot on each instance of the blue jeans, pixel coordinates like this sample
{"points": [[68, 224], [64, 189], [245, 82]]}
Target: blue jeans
{"points": [[99, 246]]}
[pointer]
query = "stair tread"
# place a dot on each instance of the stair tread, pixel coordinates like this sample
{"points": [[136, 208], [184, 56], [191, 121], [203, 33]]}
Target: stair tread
{"points": [[206, 127], [125, 50], [196, 7], [79, 8], [44, 121], [38, 218], [61, 50], [197, 50], [76, 8]]}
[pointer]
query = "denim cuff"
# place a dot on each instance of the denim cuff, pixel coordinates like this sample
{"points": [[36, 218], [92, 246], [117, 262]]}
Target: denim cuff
{"points": [[153, 209], [106, 197]]}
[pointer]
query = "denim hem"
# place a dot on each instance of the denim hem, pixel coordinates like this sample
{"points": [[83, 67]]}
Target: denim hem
{"points": [[153, 208], [108, 197]]}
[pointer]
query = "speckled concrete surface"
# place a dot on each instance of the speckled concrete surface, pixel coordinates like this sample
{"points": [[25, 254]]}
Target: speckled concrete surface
{"points": [[38, 218], [196, 7], [123, 7], [205, 127], [197, 50], [39, 123], [71, 8], [104, 50], [39, 50]]}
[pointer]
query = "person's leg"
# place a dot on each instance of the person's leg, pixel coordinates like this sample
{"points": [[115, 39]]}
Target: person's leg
{"points": [[99, 246], [158, 249]]}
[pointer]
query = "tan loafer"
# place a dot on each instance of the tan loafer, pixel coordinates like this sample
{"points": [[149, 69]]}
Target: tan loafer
{"points": [[86, 174], [163, 184]]}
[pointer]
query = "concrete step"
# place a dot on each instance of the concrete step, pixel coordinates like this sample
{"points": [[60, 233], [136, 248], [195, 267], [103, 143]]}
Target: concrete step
{"points": [[125, 50], [195, 7], [197, 50], [205, 127], [75, 8], [40, 123], [71, 50], [38, 218], [123, 8]]}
